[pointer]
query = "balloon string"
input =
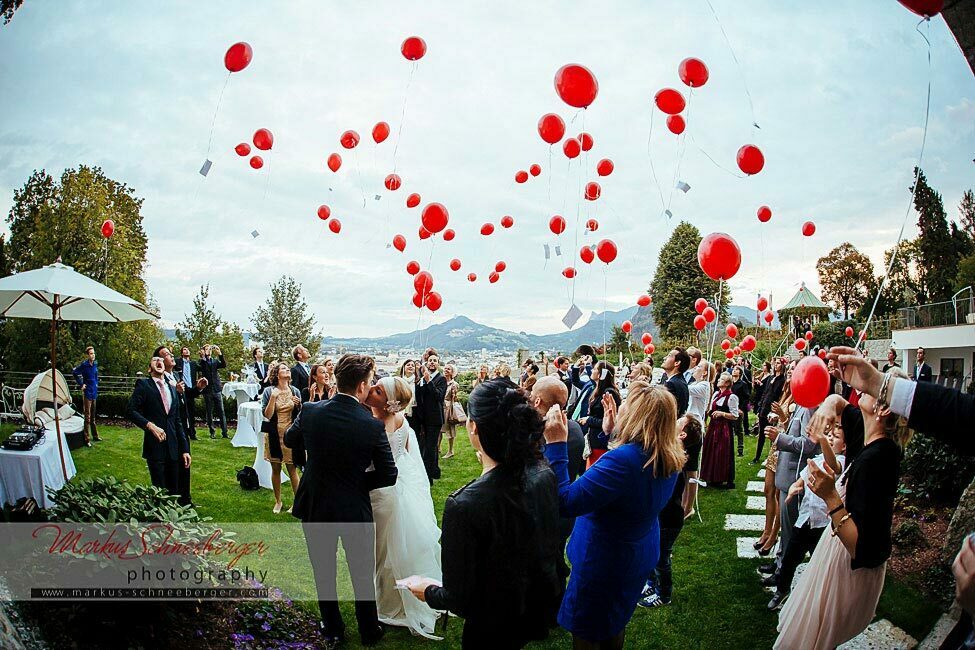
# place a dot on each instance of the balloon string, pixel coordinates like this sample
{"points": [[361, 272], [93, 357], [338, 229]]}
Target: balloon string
{"points": [[402, 117], [717, 320], [575, 241], [653, 171], [358, 175], [907, 213], [713, 161], [605, 292], [549, 172], [213, 121], [681, 148], [741, 73]]}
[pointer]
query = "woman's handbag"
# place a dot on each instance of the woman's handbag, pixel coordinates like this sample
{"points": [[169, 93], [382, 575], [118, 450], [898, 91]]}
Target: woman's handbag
{"points": [[453, 413]]}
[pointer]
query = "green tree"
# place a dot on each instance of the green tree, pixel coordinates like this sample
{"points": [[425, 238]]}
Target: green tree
{"points": [[937, 261], [7, 9], [62, 218], [284, 322], [203, 325], [845, 274], [966, 211], [966, 273], [619, 341], [679, 281]]}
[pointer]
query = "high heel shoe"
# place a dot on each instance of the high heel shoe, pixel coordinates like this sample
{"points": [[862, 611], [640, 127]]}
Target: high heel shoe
{"points": [[277, 508], [759, 544], [765, 551]]}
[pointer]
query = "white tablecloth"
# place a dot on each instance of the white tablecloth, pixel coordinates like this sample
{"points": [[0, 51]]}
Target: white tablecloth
{"points": [[248, 425], [27, 473], [240, 389]]}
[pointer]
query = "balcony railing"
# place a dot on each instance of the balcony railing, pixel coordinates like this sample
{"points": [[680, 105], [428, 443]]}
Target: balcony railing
{"points": [[958, 311], [106, 383]]}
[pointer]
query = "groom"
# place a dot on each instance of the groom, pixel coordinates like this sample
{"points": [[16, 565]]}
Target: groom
{"points": [[348, 455]]}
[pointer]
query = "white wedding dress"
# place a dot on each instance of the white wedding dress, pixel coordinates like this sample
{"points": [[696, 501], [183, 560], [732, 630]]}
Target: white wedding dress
{"points": [[407, 537]]}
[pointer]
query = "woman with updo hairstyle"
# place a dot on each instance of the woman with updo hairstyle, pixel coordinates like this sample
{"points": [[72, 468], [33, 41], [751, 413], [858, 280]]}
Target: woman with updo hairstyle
{"points": [[500, 543]]}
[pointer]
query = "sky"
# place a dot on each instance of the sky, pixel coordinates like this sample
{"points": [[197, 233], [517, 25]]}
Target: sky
{"points": [[838, 92]]}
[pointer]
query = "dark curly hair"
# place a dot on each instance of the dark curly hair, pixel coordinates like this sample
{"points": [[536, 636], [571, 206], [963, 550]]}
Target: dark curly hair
{"points": [[509, 428]]}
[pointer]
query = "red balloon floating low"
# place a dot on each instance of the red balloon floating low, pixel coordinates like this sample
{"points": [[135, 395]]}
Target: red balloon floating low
{"points": [[423, 233], [762, 303], [700, 305], [557, 225], [324, 212], [586, 254], [606, 251], [413, 200], [732, 330], [693, 72], [593, 191], [849, 332], [334, 162], [809, 336], [725, 344], [810, 382], [605, 167], [417, 300], [399, 243], [821, 354], [648, 349], [808, 229], [433, 301], [719, 256], [493, 277], [242, 149], [521, 176], [800, 344], [380, 132], [748, 343], [423, 282], [729, 354], [487, 229], [335, 226], [455, 264], [699, 322], [507, 221], [643, 301], [646, 338], [263, 139], [709, 314], [571, 148], [551, 128], [569, 272], [349, 139], [626, 326], [393, 182], [576, 85], [535, 169], [750, 159], [472, 277], [414, 48], [500, 267], [592, 225], [585, 141], [670, 101], [238, 57], [108, 228], [434, 217], [449, 234], [764, 213], [257, 162], [676, 124], [769, 317]]}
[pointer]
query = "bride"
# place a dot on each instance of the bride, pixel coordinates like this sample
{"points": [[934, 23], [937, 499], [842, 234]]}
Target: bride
{"points": [[407, 535]]}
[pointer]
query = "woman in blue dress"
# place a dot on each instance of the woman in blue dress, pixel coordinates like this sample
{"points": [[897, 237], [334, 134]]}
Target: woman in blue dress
{"points": [[616, 540]]}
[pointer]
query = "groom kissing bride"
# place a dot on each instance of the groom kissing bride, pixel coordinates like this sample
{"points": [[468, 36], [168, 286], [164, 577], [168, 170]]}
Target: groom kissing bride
{"points": [[364, 483]]}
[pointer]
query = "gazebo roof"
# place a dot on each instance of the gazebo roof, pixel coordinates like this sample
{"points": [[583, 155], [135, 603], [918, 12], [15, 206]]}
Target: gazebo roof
{"points": [[805, 298]]}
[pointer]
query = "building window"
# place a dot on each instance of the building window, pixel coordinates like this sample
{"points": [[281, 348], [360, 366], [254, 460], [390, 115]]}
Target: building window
{"points": [[952, 368]]}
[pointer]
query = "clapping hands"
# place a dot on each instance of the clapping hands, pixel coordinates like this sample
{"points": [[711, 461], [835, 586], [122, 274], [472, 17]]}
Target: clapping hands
{"points": [[556, 425]]}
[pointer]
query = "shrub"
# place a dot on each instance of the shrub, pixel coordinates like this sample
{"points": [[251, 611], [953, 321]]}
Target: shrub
{"points": [[936, 470], [105, 499], [908, 535]]}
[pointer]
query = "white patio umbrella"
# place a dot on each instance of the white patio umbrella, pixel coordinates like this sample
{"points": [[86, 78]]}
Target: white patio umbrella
{"points": [[59, 293]]}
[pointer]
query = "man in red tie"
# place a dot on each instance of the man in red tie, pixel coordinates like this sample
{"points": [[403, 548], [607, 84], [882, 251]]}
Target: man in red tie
{"points": [[153, 408]]}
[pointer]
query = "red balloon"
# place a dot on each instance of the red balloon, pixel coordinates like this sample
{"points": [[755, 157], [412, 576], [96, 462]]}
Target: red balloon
{"points": [[535, 169], [108, 228], [380, 132], [764, 213], [606, 251], [434, 217], [808, 229], [557, 225], [417, 300], [732, 330], [334, 162], [521, 176], [433, 301], [719, 256], [924, 8], [729, 354], [257, 162], [500, 267], [576, 85], [627, 326], [413, 200], [242, 149], [569, 272], [414, 48], [263, 139], [424, 233], [643, 301], [863, 336], [748, 343], [810, 382], [238, 57], [849, 332], [593, 191], [592, 225], [809, 336], [676, 124], [507, 221], [725, 344], [324, 212], [822, 353], [586, 254], [646, 339], [762, 303], [585, 141], [750, 159], [448, 234], [670, 101], [605, 167], [487, 229], [769, 317], [800, 344], [700, 305], [423, 282], [455, 264], [393, 182], [571, 148], [335, 226], [699, 322], [472, 277], [349, 139], [648, 349], [693, 72], [551, 128], [494, 277], [709, 314], [399, 243]]}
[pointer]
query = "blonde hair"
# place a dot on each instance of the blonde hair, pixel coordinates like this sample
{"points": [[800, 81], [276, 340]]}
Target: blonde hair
{"points": [[650, 420], [642, 369], [725, 376], [503, 370], [402, 392]]}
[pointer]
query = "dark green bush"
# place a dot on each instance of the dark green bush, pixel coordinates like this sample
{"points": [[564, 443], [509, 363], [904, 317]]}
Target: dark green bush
{"points": [[935, 470], [105, 499], [908, 535]]}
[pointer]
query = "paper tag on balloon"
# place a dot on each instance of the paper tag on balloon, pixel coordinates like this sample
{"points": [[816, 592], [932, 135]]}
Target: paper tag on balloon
{"points": [[205, 169], [255, 234], [377, 197], [604, 373], [572, 316], [548, 253], [668, 213], [558, 251], [683, 187], [330, 189]]}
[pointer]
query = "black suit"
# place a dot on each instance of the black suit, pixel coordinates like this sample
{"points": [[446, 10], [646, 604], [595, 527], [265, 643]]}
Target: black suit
{"points": [[183, 480], [945, 414], [212, 398], [922, 372], [189, 396], [341, 440], [771, 394], [162, 457], [677, 386], [260, 369], [429, 412], [743, 389], [299, 377]]}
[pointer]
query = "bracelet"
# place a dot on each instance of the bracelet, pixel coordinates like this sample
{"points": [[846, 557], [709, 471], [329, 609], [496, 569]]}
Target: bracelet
{"points": [[837, 527], [835, 510], [882, 402]]}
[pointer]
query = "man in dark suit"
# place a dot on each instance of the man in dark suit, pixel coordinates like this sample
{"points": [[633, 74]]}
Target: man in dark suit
{"points": [[341, 440], [154, 408], [260, 368], [187, 371], [771, 394], [212, 397], [169, 365], [430, 393], [743, 389], [675, 364], [562, 367], [301, 370], [922, 371]]}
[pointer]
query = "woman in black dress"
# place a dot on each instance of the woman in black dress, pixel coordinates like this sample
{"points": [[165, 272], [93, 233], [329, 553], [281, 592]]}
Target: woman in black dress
{"points": [[604, 375]]}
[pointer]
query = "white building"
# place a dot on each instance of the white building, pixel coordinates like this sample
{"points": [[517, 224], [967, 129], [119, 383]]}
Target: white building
{"points": [[946, 331]]}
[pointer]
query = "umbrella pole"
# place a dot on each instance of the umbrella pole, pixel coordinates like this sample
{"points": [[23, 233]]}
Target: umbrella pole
{"points": [[54, 387]]}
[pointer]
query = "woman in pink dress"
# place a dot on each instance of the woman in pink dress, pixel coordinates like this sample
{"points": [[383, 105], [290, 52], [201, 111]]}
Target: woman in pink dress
{"points": [[718, 459]]}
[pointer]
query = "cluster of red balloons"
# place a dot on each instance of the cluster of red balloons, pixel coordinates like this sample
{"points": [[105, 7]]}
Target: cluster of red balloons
{"points": [[705, 314], [522, 176], [263, 140], [424, 295], [325, 214]]}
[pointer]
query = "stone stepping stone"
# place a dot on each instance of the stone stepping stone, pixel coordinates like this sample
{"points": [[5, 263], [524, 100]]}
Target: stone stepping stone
{"points": [[761, 473], [755, 486], [744, 522], [755, 503], [881, 634], [746, 549], [940, 632]]}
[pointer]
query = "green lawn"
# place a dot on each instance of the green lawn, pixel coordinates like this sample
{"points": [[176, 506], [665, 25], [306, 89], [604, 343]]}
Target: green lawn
{"points": [[717, 603]]}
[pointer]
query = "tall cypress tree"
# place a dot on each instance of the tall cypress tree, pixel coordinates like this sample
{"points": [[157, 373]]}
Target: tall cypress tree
{"points": [[937, 250]]}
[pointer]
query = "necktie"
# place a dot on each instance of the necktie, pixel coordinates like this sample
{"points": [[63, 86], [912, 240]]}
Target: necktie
{"points": [[164, 394]]}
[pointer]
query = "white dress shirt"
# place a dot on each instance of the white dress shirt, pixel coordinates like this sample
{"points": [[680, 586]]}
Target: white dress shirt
{"points": [[812, 509]]}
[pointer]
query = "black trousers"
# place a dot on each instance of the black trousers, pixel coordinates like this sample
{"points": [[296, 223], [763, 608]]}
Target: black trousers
{"points": [[183, 482], [762, 423], [213, 401], [189, 412], [803, 540], [428, 449], [165, 474], [322, 542]]}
